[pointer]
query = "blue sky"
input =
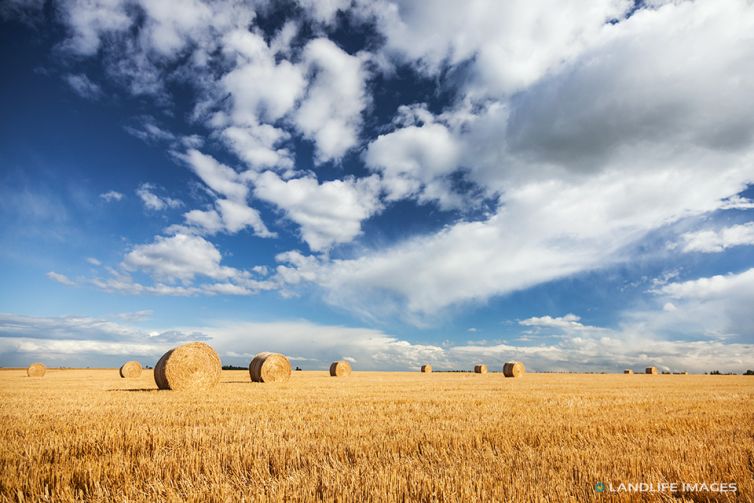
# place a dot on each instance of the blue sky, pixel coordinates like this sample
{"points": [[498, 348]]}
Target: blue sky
{"points": [[390, 182]]}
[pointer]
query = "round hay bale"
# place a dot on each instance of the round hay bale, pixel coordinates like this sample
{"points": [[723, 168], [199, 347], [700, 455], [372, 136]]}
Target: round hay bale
{"points": [[190, 366], [340, 368], [628, 371], [426, 368], [480, 368], [270, 367], [513, 369], [130, 370], [36, 370], [651, 370]]}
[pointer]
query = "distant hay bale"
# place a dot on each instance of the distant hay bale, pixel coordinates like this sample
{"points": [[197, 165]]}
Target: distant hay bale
{"points": [[130, 369], [340, 369], [426, 368], [651, 370], [480, 369], [513, 369], [628, 371], [190, 366], [36, 370], [270, 367]]}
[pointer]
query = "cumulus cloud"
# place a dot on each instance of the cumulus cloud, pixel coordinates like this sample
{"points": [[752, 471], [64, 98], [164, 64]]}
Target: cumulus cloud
{"points": [[154, 202], [715, 241], [417, 160], [232, 213], [587, 128], [330, 112], [180, 257], [182, 264], [509, 45], [544, 231], [327, 213]]}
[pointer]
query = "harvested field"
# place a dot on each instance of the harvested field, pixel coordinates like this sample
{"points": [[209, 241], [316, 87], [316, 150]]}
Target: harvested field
{"points": [[88, 434]]}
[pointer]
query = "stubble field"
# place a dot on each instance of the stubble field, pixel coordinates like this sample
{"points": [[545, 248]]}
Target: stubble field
{"points": [[373, 436]]}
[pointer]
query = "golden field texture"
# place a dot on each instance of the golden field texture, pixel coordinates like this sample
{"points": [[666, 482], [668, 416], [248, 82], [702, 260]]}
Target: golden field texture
{"points": [[373, 436]]}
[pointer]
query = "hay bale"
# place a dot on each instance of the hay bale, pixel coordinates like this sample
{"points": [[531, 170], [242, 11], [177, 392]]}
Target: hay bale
{"points": [[480, 368], [513, 369], [651, 370], [130, 369], [426, 368], [270, 367], [190, 366], [36, 370], [628, 371], [340, 368]]}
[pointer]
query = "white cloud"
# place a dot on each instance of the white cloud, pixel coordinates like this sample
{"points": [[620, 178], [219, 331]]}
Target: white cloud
{"points": [[220, 178], [262, 91], [324, 11], [258, 145], [328, 213], [416, 160], [111, 196], [170, 26], [713, 241], [330, 112], [180, 257], [314, 346], [90, 20], [60, 278], [83, 86], [544, 231], [711, 288], [567, 321], [237, 216], [510, 45], [209, 221], [232, 214], [582, 163], [154, 202]]}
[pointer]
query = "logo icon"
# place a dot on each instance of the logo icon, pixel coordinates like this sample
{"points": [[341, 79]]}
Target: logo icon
{"points": [[599, 487]]}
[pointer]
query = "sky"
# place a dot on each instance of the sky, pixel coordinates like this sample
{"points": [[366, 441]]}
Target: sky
{"points": [[388, 182]]}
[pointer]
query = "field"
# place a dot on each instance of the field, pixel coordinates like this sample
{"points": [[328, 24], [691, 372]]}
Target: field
{"points": [[373, 436]]}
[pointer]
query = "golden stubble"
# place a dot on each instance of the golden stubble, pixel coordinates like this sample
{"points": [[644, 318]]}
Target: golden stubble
{"points": [[90, 435]]}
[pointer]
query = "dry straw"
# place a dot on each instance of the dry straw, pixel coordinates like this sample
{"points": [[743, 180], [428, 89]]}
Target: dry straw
{"points": [[513, 369], [36, 370], [340, 368], [628, 371], [191, 366], [426, 368], [651, 370], [480, 369], [270, 367], [130, 369]]}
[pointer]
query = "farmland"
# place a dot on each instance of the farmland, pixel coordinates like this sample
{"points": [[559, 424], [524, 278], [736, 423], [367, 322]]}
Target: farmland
{"points": [[373, 436]]}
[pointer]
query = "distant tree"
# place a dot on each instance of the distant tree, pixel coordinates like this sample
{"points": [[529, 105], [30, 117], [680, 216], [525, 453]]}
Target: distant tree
{"points": [[749, 373], [298, 369], [715, 373]]}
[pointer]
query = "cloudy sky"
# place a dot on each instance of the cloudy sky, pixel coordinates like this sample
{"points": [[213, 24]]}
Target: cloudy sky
{"points": [[393, 182]]}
